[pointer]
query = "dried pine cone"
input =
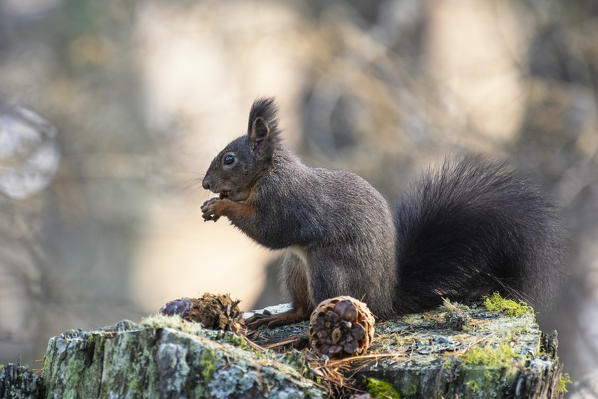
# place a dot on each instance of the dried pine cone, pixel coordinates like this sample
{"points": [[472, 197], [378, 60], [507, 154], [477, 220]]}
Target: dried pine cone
{"points": [[341, 327], [215, 312]]}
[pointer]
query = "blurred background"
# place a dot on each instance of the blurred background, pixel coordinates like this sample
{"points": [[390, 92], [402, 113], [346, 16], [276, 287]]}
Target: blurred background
{"points": [[110, 112]]}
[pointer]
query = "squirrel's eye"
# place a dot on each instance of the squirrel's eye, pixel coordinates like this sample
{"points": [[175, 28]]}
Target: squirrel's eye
{"points": [[229, 159]]}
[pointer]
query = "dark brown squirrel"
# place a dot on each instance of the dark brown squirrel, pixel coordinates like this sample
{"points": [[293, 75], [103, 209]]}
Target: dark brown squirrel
{"points": [[466, 230]]}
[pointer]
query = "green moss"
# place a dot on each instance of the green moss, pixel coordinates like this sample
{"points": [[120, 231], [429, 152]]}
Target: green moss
{"points": [[382, 389], [297, 361], [483, 383], [474, 385], [565, 379], [1, 367], [496, 303], [493, 357], [234, 339], [134, 387], [447, 363], [410, 389], [486, 370], [208, 362]]}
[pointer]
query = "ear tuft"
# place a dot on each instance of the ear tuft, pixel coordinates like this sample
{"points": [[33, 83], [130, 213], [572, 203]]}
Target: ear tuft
{"points": [[266, 109], [263, 125]]}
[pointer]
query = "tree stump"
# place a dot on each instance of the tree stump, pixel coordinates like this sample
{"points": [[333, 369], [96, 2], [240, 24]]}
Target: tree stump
{"points": [[450, 352]]}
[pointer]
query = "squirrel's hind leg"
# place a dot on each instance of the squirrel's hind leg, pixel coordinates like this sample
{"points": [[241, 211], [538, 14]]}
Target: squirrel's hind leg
{"points": [[295, 279], [277, 320]]}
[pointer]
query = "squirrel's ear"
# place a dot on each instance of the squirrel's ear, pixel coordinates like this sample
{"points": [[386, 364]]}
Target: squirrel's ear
{"points": [[259, 130], [263, 127]]}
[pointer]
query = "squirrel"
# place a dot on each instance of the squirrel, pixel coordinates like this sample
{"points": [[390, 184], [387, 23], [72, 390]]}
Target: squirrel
{"points": [[466, 230]]}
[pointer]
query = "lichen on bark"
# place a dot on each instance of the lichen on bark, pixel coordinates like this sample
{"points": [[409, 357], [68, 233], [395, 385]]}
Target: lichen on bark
{"points": [[164, 357], [18, 382], [469, 352]]}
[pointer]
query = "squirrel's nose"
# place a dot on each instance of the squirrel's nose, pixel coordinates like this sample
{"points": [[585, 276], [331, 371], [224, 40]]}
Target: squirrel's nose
{"points": [[206, 183]]}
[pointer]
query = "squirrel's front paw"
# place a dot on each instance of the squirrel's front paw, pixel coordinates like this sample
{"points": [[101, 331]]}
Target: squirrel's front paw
{"points": [[209, 210]]}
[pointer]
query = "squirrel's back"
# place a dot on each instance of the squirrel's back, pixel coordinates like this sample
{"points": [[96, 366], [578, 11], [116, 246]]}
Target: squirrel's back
{"points": [[470, 228], [333, 218]]}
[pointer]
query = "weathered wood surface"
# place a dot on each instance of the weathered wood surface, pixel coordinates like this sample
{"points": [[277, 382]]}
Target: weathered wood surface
{"points": [[19, 382], [165, 358], [446, 353], [461, 353]]}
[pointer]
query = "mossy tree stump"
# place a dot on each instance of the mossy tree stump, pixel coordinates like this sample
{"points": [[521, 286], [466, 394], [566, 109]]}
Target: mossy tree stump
{"points": [[450, 352], [457, 351], [164, 357]]}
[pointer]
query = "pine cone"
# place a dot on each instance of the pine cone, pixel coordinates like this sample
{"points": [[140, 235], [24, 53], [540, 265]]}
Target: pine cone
{"points": [[215, 312], [341, 327]]}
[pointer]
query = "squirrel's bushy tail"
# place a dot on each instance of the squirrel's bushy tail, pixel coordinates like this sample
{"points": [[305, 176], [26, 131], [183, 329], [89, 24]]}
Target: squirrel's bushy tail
{"points": [[471, 228]]}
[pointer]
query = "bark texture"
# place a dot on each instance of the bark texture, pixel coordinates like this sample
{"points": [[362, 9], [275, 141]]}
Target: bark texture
{"points": [[450, 352]]}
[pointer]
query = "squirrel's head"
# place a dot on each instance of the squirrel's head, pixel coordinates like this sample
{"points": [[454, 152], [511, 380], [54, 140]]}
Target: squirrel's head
{"points": [[235, 170]]}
